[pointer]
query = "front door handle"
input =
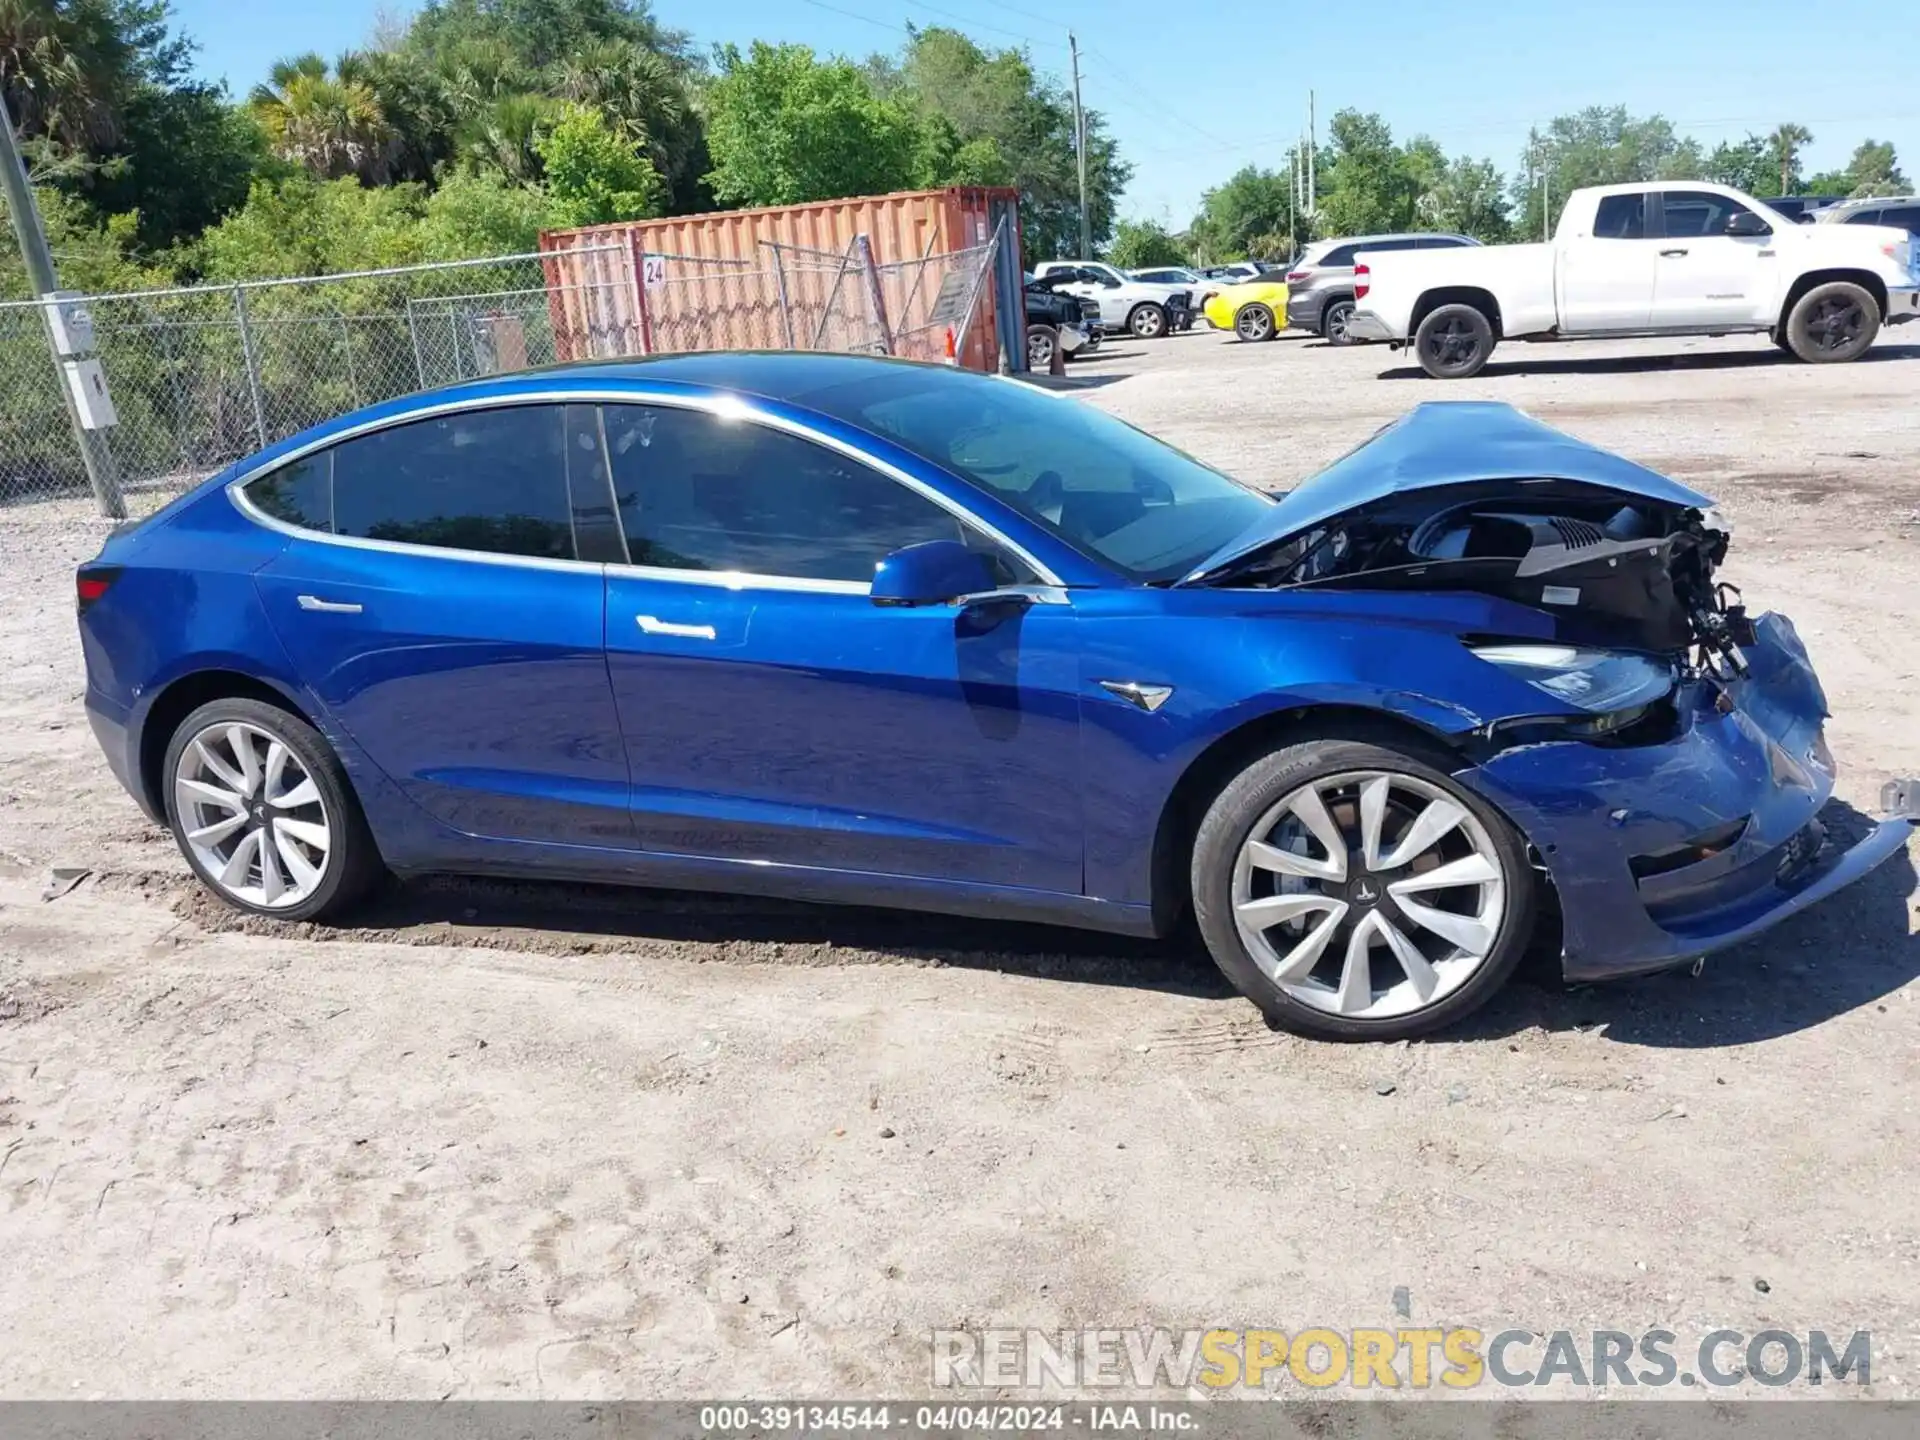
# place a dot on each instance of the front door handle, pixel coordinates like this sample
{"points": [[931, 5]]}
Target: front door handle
{"points": [[1673, 252], [652, 625], [329, 607]]}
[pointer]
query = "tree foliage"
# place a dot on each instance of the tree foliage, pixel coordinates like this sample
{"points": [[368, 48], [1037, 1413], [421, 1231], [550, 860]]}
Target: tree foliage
{"points": [[785, 126], [595, 176], [1139, 244], [1246, 216]]}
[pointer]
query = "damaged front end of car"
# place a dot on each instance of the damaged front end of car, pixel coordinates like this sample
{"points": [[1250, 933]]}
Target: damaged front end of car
{"points": [[1672, 782]]}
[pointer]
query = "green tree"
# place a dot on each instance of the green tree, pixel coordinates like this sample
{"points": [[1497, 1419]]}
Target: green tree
{"points": [[1601, 145], [472, 216], [1138, 244], [1467, 197], [538, 35], [328, 122], [1746, 165], [68, 66], [1237, 216], [1786, 142], [988, 117], [1370, 186], [644, 95], [1874, 170], [417, 108], [302, 226], [784, 126], [595, 176]]}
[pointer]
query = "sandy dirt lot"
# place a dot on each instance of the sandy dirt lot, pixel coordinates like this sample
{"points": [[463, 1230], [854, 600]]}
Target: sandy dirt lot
{"points": [[530, 1141]]}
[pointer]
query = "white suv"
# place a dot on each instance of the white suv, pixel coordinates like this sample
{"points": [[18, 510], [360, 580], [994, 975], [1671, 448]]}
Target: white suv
{"points": [[1136, 307]]}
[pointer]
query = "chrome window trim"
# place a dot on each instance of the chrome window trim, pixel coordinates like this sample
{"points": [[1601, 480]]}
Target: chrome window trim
{"points": [[727, 405]]}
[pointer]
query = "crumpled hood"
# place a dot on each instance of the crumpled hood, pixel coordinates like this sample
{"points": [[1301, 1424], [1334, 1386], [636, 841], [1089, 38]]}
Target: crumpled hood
{"points": [[1438, 444]]}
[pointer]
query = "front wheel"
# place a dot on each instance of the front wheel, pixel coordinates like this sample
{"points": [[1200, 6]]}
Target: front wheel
{"points": [[1355, 892], [1254, 322], [1147, 322], [1453, 342], [1333, 323], [1042, 342], [263, 812], [1833, 322]]}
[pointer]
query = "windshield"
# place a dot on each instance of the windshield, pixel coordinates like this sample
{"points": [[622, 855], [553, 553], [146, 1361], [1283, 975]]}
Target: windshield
{"points": [[1112, 492]]}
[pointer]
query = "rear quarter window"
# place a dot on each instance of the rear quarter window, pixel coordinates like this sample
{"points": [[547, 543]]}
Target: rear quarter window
{"points": [[298, 494]]}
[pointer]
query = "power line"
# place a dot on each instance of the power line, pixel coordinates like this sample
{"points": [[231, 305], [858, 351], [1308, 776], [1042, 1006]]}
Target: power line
{"points": [[1147, 94]]}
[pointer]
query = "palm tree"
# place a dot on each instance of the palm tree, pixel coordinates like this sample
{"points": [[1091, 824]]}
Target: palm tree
{"points": [[504, 136], [331, 124], [644, 96], [1786, 142], [65, 68], [416, 105]]}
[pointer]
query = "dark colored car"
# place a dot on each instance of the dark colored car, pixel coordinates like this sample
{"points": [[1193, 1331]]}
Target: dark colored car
{"points": [[1070, 323], [1900, 211], [846, 629], [1802, 209], [1320, 284]]}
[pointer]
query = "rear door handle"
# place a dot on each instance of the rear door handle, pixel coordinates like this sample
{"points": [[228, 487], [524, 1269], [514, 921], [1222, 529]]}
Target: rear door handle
{"points": [[1673, 252], [652, 625], [329, 607]]}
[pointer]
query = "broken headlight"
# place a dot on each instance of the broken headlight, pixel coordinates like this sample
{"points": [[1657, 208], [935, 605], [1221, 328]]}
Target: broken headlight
{"points": [[1602, 681]]}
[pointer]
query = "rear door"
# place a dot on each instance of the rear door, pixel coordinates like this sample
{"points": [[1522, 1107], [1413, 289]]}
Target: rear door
{"points": [[1706, 276], [774, 713], [1604, 279], [441, 596]]}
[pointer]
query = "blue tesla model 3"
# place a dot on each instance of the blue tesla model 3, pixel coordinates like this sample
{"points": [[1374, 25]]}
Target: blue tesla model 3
{"points": [[856, 630]]}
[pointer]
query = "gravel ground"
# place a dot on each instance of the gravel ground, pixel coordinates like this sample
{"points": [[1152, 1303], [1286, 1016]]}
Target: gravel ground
{"points": [[532, 1141]]}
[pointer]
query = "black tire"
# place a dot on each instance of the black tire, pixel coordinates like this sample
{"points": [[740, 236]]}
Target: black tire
{"points": [[1454, 342], [1252, 794], [1147, 321], [1255, 322], [352, 866], [1333, 322], [1779, 338], [1832, 323], [1042, 341]]}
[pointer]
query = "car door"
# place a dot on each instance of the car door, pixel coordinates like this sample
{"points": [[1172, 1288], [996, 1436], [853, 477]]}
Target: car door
{"points": [[1706, 276], [773, 713], [439, 594], [1604, 280]]}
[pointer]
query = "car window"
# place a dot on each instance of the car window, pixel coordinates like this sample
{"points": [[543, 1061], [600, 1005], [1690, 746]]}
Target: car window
{"points": [[1691, 214], [1869, 216], [1442, 242], [1906, 217], [1341, 255], [492, 480], [700, 492], [1621, 217], [1105, 488], [298, 494]]}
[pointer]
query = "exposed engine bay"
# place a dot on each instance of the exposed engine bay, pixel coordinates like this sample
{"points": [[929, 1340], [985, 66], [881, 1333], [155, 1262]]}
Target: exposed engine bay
{"points": [[1615, 569]]}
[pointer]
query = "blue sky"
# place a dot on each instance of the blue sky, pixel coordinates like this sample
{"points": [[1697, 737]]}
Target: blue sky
{"points": [[1196, 88]]}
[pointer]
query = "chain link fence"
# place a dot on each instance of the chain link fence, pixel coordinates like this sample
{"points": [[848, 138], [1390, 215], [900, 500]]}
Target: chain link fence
{"points": [[201, 377]]}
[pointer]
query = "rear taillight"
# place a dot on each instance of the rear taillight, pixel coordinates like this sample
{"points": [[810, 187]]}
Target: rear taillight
{"points": [[1362, 281], [1295, 276], [92, 583]]}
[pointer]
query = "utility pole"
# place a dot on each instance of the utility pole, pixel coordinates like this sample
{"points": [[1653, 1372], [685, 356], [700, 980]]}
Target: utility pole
{"points": [[1080, 150], [44, 283], [1313, 144]]}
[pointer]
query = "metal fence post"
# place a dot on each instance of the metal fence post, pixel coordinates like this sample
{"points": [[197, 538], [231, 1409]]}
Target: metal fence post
{"points": [[875, 296], [253, 367], [973, 299], [413, 334], [346, 346], [637, 261], [780, 283]]}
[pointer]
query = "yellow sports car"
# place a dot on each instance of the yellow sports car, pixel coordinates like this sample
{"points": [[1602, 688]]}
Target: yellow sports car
{"points": [[1256, 310]]}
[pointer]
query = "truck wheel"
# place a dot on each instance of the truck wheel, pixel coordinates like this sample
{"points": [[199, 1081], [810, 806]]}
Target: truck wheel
{"points": [[1333, 322], [1148, 321], [1835, 321], [1254, 322], [1453, 342], [1042, 341]]}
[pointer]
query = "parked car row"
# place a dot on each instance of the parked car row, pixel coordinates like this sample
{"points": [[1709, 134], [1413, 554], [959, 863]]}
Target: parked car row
{"points": [[1659, 258]]}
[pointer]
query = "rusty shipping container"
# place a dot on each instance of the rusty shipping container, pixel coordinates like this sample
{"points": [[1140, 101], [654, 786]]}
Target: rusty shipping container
{"points": [[716, 282]]}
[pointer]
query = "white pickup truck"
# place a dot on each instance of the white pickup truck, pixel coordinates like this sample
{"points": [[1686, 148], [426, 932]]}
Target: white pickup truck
{"points": [[1669, 258]]}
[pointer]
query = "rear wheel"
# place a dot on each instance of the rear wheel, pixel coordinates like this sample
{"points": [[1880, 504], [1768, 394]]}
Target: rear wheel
{"points": [[262, 810], [1354, 892], [1042, 342], [1453, 342], [1833, 322], [1333, 322], [1147, 322], [1254, 322]]}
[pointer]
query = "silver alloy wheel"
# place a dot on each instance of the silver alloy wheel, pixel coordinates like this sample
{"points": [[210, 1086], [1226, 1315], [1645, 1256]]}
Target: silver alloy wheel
{"points": [[1335, 323], [1369, 894], [252, 815], [1041, 342], [1147, 321]]}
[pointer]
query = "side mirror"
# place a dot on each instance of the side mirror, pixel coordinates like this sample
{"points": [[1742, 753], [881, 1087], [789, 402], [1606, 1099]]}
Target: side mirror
{"points": [[931, 573], [1748, 223]]}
